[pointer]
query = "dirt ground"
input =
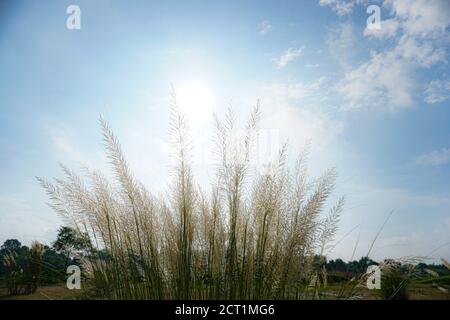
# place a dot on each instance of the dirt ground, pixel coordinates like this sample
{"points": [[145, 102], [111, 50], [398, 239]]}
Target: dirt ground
{"points": [[56, 292], [60, 292]]}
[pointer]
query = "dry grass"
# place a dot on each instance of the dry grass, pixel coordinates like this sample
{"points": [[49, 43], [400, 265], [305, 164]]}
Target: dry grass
{"points": [[252, 236]]}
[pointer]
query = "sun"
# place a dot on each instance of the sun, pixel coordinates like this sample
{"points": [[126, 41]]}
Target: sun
{"points": [[195, 100]]}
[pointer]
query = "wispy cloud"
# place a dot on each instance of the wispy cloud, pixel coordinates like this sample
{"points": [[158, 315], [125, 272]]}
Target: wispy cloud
{"points": [[312, 91], [64, 145], [313, 65], [434, 158], [342, 43], [25, 217], [265, 27], [290, 55], [69, 150], [341, 7], [388, 29], [437, 91], [296, 110]]}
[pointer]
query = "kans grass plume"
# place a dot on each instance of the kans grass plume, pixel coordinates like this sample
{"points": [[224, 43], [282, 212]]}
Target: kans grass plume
{"points": [[251, 236]]}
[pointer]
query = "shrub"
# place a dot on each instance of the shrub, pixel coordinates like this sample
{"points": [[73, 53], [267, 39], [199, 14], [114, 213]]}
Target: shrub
{"points": [[395, 281], [33, 272], [14, 274]]}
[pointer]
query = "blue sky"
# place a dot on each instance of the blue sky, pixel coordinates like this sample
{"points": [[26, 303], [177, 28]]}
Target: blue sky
{"points": [[374, 103]]}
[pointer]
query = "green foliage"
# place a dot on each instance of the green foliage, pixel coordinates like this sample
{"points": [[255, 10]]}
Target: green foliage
{"points": [[23, 269], [351, 267], [395, 280], [34, 267], [70, 242], [13, 273], [333, 278], [11, 245], [54, 266], [442, 280], [21, 266]]}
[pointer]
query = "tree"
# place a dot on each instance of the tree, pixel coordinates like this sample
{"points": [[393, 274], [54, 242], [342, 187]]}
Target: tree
{"points": [[11, 245], [20, 266], [54, 265], [337, 265], [70, 243]]}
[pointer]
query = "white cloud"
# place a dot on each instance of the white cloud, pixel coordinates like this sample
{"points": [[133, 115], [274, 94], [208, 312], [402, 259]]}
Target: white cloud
{"points": [[341, 7], [69, 150], [387, 79], [296, 110], [383, 81], [265, 27], [26, 220], [421, 17], [313, 65], [290, 55], [342, 42], [417, 18], [13, 201], [299, 126], [64, 145], [437, 91], [388, 29], [434, 158], [297, 90], [417, 51]]}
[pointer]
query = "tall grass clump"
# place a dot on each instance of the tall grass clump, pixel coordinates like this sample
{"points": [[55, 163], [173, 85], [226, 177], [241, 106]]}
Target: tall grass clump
{"points": [[394, 283], [250, 236]]}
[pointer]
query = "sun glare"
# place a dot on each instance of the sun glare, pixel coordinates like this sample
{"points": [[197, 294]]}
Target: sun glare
{"points": [[195, 101]]}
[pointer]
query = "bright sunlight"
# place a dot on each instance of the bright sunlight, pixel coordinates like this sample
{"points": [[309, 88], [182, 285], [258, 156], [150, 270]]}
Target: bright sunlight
{"points": [[195, 101]]}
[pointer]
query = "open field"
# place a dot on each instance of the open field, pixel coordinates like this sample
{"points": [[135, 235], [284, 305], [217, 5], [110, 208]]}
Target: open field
{"points": [[54, 292], [416, 292]]}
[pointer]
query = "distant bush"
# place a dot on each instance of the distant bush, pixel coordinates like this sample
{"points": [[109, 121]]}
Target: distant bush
{"points": [[22, 268], [443, 280], [395, 281], [332, 278]]}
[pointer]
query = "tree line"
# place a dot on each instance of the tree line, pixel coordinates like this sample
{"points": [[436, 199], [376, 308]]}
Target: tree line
{"points": [[23, 269]]}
